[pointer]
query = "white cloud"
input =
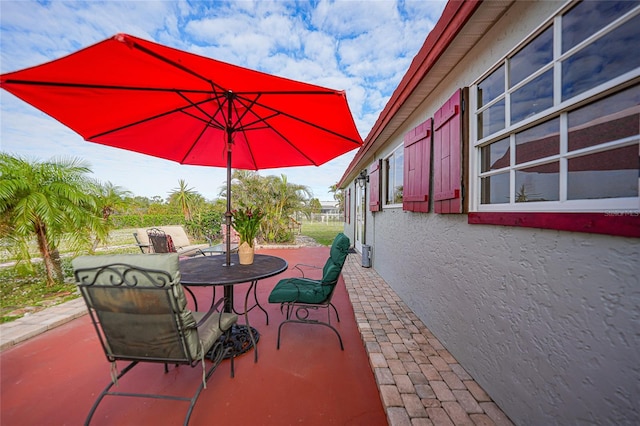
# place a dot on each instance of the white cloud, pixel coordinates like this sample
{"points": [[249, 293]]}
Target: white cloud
{"points": [[362, 47]]}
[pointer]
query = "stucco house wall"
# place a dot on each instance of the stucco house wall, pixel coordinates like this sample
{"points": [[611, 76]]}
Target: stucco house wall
{"points": [[547, 321]]}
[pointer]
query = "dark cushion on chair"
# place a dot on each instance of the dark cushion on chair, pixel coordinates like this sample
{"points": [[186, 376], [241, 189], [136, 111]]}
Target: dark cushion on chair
{"points": [[313, 291], [337, 256], [299, 290]]}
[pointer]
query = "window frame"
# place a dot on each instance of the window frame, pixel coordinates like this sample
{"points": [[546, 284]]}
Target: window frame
{"points": [[559, 109], [385, 176]]}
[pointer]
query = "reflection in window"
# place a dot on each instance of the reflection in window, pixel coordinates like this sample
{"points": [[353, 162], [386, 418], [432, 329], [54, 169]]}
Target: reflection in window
{"points": [[491, 120], [394, 169], [495, 156], [602, 60], [495, 189], [533, 97], [612, 118], [491, 87], [531, 58], [539, 183], [538, 142], [607, 174], [587, 17], [579, 148]]}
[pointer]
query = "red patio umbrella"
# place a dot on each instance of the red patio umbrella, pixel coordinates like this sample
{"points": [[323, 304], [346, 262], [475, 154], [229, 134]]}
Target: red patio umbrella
{"points": [[141, 96]]}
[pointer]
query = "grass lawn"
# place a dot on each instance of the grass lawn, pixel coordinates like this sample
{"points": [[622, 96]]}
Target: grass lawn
{"points": [[21, 292], [323, 233]]}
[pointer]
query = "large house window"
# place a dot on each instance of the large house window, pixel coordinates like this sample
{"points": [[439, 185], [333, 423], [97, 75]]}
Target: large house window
{"points": [[556, 124], [393, 175]]}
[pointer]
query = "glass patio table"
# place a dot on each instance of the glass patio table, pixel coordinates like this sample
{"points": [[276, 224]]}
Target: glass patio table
{"points": [[211, 271]]}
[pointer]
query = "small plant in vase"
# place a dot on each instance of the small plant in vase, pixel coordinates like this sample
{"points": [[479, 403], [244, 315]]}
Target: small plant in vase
{"points": [[246, 222]]}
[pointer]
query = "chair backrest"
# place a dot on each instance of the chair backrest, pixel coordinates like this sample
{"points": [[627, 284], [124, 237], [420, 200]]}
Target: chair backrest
{"points": [[138, 307], [337, 256], [160, 241]]}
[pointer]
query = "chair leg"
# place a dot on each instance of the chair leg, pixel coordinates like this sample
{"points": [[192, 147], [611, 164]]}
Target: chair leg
{"points": [[105, 392], [192, 401], [302, 314], [335, 310], [310, 322]]}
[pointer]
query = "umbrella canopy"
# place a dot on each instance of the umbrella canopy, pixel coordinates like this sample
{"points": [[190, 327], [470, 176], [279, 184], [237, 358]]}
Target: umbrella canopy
{"points": [[141, 96]]}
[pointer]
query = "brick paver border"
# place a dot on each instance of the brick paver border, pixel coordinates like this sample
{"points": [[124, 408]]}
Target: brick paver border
{"points": [[420, 382]]}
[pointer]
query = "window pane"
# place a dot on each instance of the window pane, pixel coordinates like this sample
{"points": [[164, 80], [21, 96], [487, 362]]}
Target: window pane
{"points": [[491, 120], [535, 55], [612, 118], [539, 183], [389, 171], [491, 87], [538, 142], [398, 176], [495, 156], [608, 174], [533, 97], [394, 174], [601, 61], [588, 17], [495, 189]]}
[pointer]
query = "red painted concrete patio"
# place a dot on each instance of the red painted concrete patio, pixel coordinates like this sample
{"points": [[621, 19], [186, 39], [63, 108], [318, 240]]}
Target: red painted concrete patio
{"points": [[53, 379]]}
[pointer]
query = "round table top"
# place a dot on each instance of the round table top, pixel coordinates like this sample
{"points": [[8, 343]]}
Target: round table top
{"points": [[210, 270]]}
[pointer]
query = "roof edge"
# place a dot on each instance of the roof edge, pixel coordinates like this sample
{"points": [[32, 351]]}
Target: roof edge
{"points": [[454, 16]]}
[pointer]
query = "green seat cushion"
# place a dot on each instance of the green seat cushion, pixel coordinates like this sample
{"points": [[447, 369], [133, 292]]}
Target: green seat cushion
{"points": [[311, 291], [300, 290]]}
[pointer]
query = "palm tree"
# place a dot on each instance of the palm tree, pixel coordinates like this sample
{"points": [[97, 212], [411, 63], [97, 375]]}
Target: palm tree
{"points": [[47, 200], [109, 199], [275, 195], [185, 197], [338, 195]]}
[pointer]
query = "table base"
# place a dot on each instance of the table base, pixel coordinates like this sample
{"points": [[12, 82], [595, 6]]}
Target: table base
{"points": [[240, 340]]}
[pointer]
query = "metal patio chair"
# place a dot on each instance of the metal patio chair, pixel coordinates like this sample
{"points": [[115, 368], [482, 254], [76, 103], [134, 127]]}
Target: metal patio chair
{"points": [[299, 296], [139, 310], [160, 241]]}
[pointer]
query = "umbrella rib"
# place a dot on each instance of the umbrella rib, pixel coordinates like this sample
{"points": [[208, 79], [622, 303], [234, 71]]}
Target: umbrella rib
{"points": [[195, 142], [175, 64], [261, 119], [309, 123], [146, 119], [197, 106], [104, 86]]}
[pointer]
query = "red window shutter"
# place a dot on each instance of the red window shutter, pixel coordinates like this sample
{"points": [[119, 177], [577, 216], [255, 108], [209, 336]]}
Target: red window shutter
{"points": [[447, 156], [374, 186], [417, 168]]}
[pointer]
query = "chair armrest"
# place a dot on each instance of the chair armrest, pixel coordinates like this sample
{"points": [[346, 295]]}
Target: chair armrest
{"points": [[212, 310], [215, 310], [299, 266]]}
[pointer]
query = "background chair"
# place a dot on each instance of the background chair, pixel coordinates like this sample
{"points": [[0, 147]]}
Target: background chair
{"points": [[160, 242], [300, 295], [140, 314]]}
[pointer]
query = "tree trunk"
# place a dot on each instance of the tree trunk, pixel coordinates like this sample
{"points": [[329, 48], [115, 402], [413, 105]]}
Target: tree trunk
{"points": [[50, 258]]}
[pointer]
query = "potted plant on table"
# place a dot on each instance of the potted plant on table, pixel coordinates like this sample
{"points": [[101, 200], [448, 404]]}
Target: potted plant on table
{"points": [[246, 222]]}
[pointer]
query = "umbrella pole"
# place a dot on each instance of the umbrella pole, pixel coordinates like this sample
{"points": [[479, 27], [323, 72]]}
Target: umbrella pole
{"points": [[229, 135], [228, 213]]}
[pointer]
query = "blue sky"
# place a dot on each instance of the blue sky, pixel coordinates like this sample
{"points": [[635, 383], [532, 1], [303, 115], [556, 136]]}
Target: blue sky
{"points": [[362, 47]]}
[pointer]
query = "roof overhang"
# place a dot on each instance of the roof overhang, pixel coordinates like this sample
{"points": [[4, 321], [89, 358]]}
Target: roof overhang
{"points": [[461, 25]]}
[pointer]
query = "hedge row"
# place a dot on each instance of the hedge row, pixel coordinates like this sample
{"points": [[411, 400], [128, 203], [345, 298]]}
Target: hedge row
{"points": [[146, 221]]}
